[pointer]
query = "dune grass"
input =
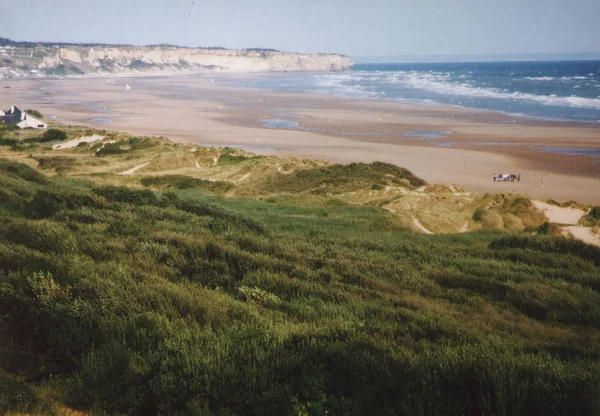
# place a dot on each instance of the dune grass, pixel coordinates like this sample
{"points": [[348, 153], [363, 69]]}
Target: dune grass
{"points": [[174, 300]]}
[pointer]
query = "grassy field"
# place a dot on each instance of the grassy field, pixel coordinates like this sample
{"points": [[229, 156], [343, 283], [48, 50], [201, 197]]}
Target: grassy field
{"points": [[184, 289]]}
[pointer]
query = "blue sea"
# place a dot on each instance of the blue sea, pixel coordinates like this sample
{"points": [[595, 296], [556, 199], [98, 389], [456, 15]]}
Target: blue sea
{"points": [[563, 90]]}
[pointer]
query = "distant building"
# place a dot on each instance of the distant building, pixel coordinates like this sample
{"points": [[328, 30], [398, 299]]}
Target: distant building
{"points": [[20, 118]]}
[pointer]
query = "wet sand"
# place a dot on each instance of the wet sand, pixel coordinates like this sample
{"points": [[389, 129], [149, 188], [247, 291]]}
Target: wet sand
{"points": [[440, 144]]}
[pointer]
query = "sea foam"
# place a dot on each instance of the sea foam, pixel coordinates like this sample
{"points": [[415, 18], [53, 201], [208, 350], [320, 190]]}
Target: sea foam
{"points": [[439, 83]]}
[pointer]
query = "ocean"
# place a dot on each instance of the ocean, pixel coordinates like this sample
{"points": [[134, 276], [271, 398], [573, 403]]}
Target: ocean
{"points": [[563, 90]]}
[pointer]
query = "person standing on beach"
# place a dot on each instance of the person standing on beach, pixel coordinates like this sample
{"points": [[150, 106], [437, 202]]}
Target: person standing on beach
{"points": [[542, 181], [495, 177]]}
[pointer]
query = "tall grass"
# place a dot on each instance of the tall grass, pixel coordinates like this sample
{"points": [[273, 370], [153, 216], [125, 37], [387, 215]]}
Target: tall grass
{"points": [[124, 301]]}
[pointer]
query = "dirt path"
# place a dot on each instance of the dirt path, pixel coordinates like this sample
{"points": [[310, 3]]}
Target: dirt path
{"points": [[135, 169], [246, 176], [420, 226]]}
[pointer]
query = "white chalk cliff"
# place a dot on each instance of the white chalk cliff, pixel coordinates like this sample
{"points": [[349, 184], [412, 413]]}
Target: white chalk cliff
{"points": [[128, 60]]}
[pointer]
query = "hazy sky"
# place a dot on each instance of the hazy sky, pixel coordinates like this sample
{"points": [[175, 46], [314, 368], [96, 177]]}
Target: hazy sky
{"points": [[353, 27]]}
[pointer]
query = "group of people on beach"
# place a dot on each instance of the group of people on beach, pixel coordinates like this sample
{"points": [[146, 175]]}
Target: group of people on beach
{"points": [[507, 177]]}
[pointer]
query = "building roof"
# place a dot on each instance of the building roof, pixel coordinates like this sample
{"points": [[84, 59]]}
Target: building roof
{"points": [[16, 116]]}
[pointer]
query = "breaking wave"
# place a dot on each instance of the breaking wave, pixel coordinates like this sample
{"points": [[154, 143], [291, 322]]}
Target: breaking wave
{"points": [[568, 90], [439, 83], [541, 78], [377, 85]]}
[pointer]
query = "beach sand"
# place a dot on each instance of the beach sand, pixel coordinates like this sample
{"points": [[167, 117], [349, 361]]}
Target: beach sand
{"points": [[440, 144]]}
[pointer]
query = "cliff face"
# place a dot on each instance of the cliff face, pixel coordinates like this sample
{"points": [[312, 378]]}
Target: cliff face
{"points": [[129, 60]]}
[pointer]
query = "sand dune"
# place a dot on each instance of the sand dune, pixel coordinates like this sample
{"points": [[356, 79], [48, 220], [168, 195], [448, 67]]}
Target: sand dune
{"points": [[560, 215], [76, 142], [192, 109], [584, 234]]}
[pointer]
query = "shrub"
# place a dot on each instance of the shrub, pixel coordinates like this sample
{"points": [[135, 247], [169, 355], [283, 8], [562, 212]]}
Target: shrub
{"points": [[48, 203], [478, 214], [594, 213], [139, 143], [43, 235], [53, 135], [169, 198], [124, 227], [258, 295], [592, 218], [127, 195], [34, 113], [60, 163], [9, 127], [9, 142], [44, 288], [548, 228], [21, 171], [17, 396], [232, 159], [186, 182]]}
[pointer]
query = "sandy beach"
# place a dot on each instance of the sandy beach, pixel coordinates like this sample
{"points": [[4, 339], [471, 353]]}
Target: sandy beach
{"points": [[440, 144]]}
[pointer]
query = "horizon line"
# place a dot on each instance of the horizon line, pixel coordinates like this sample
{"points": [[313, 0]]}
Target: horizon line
{"points": [[505, 57]]}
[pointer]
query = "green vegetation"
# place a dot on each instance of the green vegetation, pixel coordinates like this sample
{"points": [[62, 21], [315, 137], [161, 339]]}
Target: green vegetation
{"points": [[64, 70], [344, 178], [139, 64], [549, 228], [592, 218], [53, 135], [478, 214], [232, 156], [8, 128], [214, 281], [123, 300], [186, 182], [34, 113], [9, 142]]}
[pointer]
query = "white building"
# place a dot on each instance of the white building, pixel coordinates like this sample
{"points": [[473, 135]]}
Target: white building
{"points": [[21, 119]]}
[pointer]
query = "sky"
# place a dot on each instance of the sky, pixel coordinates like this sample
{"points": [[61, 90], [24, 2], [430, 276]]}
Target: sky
{"points": [[352, 27]]}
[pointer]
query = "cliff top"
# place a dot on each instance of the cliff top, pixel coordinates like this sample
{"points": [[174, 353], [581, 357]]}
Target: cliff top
{"points": [[43, 44]]}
